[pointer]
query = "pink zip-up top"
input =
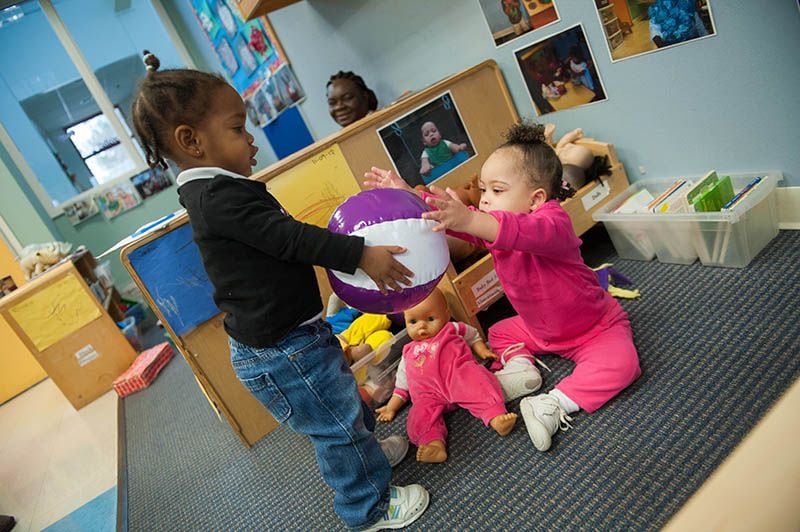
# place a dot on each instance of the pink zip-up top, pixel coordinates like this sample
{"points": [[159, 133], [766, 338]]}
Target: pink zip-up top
{"points": [[538, 261]]}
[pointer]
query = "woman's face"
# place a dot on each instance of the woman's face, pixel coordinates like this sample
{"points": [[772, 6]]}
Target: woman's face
{"points": [[346, 102]]}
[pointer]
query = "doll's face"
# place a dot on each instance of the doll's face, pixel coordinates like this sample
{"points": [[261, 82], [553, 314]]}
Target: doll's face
{"points": [[430, 134], [427, 318]]}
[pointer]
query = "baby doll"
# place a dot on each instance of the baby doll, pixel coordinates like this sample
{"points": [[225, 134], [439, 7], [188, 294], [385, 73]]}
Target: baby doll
{"points": [[578, 163], [437, 150], [438, 372]]}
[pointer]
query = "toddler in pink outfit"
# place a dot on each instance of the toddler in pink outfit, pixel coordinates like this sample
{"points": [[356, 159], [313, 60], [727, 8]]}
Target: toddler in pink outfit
{"points": [[561, 307], [439, 373]]}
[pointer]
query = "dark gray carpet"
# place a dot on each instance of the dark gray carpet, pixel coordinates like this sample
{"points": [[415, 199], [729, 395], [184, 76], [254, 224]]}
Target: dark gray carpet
{"points": [[718, 346]]}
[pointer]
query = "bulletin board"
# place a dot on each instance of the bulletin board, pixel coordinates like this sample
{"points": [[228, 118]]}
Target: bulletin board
{"points": [[309, 184]]}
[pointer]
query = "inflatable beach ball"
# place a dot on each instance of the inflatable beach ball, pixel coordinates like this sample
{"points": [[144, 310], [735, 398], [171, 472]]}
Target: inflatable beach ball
{"points": [[389, 217]]}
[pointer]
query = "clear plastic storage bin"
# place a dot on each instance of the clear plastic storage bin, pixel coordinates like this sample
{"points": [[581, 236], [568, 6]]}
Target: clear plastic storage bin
{"points": [[726, 238], [375, 372]]}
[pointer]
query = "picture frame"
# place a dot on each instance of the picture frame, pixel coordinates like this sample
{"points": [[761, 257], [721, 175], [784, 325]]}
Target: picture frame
{"points": [[116, 199], [7, 285], [428, 142], [151, 182], [560, 71], [79, 210], [636, 29], [289, 88], [507, 20]]}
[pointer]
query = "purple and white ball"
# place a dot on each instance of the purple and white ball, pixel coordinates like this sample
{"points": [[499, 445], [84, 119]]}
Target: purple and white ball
{"points": [[389, 217]]}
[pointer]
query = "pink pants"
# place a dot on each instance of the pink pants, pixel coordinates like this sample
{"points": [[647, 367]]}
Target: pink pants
{"points": [[605, 358], [473, 388]]}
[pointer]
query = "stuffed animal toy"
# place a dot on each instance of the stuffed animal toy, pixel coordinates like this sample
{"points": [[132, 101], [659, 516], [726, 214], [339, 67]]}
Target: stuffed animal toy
{"points": [[37, 258]]}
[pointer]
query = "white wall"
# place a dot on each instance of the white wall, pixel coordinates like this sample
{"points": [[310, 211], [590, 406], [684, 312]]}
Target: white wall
{"points": [[728, 102]]}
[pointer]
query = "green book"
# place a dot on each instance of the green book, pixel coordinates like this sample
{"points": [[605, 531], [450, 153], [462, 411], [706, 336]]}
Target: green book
{"points": [[713, 197], [701, 186]]}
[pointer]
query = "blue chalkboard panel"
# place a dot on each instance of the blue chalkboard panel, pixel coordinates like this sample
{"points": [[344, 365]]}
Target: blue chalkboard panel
{"points": [[172, 271], [288, 133]]}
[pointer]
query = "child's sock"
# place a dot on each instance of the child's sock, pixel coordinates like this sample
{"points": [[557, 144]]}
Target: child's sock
{"points": [[568, 405]]}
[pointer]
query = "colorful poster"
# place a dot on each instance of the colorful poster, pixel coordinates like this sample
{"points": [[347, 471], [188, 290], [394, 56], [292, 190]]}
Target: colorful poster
{"points": [[327, 182], [55, 312], [247, 49]]}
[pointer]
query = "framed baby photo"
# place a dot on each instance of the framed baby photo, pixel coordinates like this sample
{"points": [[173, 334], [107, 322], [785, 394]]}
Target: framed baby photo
{"points": [[510, 19], [634, 28], [428, 142], [560, 72]]}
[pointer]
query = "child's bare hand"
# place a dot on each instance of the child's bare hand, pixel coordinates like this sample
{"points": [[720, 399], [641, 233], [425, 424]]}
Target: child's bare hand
{"points": [[379, 178], [385, 413], [451, 213], [486, 355], [388, 273]]}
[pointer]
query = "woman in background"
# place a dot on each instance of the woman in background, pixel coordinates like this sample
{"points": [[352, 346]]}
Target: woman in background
{"points": [[349, 98]]}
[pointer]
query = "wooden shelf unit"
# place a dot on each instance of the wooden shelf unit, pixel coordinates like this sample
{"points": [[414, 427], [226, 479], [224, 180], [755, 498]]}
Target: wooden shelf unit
{"points": [[85, 350]]}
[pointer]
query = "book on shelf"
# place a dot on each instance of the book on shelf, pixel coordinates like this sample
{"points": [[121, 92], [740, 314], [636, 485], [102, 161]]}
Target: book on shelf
{"points": [[637, 203], [671, 199], [739, 196], [715, 196]]}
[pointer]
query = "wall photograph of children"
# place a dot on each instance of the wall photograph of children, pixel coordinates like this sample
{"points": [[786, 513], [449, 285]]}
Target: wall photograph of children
{"points": [[428, 142], [560, 72], [509, 19], [634, 27]]}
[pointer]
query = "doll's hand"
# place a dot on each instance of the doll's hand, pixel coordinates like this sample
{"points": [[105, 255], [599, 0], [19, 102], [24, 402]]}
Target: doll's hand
{"points": [[379, 263], [450, 212], [379, 178], [385, 413]]}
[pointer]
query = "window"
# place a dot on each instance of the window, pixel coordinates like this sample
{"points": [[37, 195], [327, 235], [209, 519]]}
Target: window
{"points": [[68, 72], [101, 150]]}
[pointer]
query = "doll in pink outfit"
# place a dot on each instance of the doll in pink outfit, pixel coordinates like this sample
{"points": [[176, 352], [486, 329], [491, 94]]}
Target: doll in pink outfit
{"points": [[561, 307], [438, 372]]}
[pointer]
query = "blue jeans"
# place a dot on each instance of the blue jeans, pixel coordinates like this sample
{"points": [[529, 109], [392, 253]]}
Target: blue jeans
{"points": [[304, 381]]}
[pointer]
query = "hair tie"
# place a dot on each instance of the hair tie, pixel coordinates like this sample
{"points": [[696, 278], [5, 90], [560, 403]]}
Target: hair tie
{"points": [[151, 62]]}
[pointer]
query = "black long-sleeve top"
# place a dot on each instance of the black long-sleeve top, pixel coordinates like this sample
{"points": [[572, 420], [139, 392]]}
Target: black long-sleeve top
{"points": [[258, 258]]}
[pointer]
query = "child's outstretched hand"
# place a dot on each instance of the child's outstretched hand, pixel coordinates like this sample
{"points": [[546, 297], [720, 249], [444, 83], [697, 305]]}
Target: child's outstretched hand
{"points": [[379, 178], [450, 212], [388, 273], [385, 413]]}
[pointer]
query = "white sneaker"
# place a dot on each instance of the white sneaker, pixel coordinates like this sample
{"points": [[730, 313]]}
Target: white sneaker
{"points": [[406, 505], [543, 417], [395, 448], [518, 382]]}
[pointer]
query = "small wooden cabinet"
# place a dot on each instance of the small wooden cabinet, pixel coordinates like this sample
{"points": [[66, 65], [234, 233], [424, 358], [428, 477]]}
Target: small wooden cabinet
{"points": [[72, 333]]}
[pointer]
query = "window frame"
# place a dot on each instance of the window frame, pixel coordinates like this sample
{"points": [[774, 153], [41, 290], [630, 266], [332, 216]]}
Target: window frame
{"points": [[107, 108]]}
